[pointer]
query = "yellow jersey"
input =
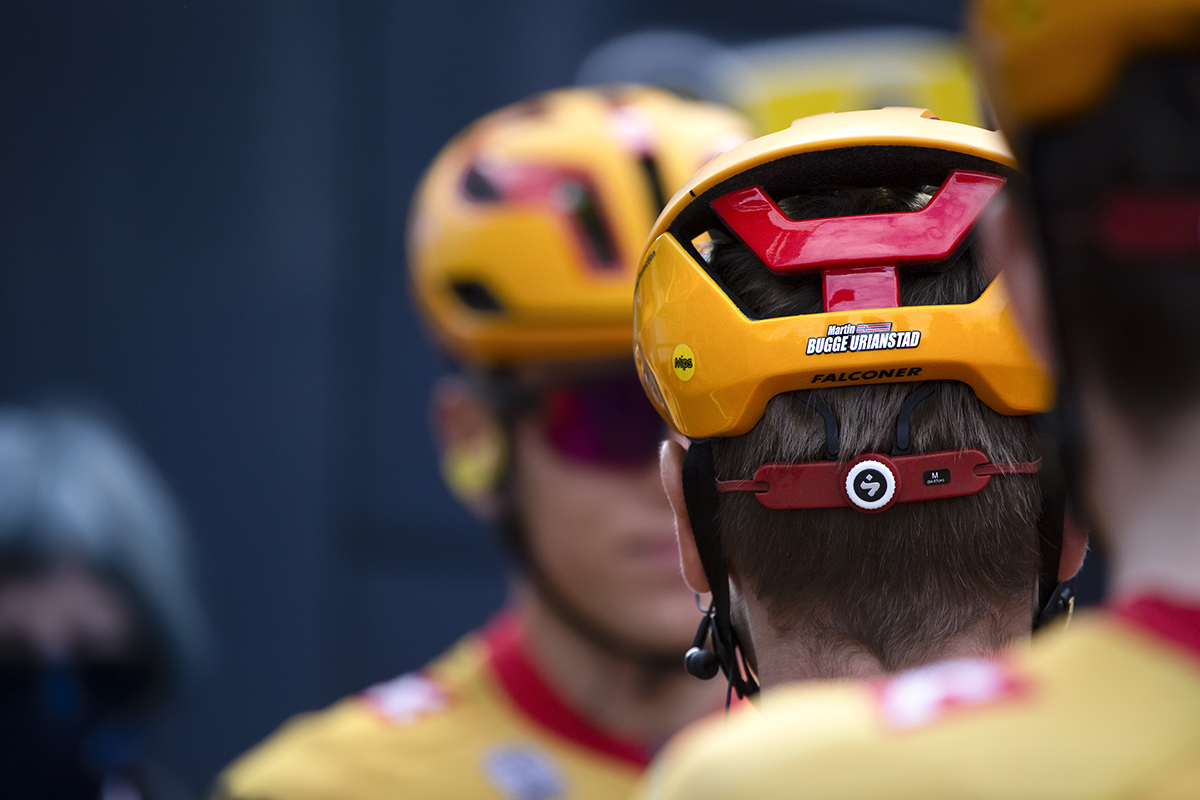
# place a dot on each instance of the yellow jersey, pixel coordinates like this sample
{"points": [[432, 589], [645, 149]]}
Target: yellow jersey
{"points": [[1107, 708], [479, 722]]}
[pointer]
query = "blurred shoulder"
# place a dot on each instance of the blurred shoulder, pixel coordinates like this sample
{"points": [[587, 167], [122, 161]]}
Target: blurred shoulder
{"points": [[1042, 721], [735, 757], [408, 733]]}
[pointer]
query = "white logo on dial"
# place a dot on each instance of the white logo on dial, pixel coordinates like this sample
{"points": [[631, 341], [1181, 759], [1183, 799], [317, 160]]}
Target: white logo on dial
{"points": [[870, 485]]}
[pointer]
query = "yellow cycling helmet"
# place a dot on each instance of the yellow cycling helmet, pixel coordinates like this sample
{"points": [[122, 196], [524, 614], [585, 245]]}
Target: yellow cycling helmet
{"points": [[710, 367], [526, 229], [1050, 59]]}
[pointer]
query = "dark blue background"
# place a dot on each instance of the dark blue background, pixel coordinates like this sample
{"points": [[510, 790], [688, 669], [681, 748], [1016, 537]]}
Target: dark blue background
{"points": [[201, 216]]}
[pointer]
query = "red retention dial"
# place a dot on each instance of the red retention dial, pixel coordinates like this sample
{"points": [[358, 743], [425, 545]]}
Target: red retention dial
{"points": [[824, 484]]}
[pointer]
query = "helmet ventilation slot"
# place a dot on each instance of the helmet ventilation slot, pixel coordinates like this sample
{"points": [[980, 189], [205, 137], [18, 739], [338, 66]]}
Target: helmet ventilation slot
{"points": [[654, 178], [582, 204], [477, 297], [478, 187]]}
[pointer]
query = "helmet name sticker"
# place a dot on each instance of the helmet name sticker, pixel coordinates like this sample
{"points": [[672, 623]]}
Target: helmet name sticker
{"points": [[866, 375], [683, 361], [862, 338]]}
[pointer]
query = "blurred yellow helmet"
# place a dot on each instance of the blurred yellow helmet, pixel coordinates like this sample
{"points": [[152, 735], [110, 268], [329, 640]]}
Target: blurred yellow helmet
{"points": [[710, 366], [526, 229], [1045, 60]]}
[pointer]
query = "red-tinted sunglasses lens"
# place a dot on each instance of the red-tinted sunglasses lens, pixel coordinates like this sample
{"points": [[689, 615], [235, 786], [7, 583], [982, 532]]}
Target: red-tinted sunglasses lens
{"points": [[608, 422]]}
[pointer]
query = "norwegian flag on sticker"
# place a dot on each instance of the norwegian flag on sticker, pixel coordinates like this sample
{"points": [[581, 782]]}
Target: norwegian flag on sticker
{"points": [[873, 327], [921, 696], [406, 699]]}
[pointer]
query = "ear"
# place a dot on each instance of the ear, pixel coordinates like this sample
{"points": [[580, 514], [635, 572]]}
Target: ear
{"points": [[471, 444], [1007, 245], [670, 460], [1074, 547]]}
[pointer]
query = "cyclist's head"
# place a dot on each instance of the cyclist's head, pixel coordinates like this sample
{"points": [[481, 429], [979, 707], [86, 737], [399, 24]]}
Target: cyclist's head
{"points": [[523, 244], [905, 581], [837, 373], [1100, 101]]}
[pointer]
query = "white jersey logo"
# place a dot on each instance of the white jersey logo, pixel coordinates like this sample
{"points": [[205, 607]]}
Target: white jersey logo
{"points": [[524, 772], [920, 696], [406, 699]]}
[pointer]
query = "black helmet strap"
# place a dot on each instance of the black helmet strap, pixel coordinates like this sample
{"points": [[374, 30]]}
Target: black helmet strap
{"points": [[700, 497]]}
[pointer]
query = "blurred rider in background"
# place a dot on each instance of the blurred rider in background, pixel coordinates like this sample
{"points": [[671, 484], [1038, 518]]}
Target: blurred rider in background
{"points": [[98, 620], [523, 242]]}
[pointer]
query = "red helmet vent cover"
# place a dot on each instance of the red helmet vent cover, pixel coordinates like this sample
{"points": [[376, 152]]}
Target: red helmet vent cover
{"points": [[569, 193], [858, 255]]}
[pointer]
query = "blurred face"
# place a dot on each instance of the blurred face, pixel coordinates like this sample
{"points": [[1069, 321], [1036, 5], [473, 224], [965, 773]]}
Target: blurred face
{"points": [[596, 518], [72, 675], [65, 612]]}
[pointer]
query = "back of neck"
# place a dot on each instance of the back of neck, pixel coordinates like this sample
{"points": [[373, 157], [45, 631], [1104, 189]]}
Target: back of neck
{"points": [[803, 654], [1144, 495]]}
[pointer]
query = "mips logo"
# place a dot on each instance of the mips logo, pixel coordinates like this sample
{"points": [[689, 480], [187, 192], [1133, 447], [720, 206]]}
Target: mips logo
{"points": [[683, 361]]}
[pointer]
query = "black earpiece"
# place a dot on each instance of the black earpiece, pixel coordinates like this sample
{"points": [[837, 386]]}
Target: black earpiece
{"points": [[700, 495], [700, 662], [1062, 601]]}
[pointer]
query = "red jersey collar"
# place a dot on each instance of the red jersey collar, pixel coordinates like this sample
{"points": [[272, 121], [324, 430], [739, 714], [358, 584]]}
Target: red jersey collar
{"points": [[529, 690], [1167, 619]]}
